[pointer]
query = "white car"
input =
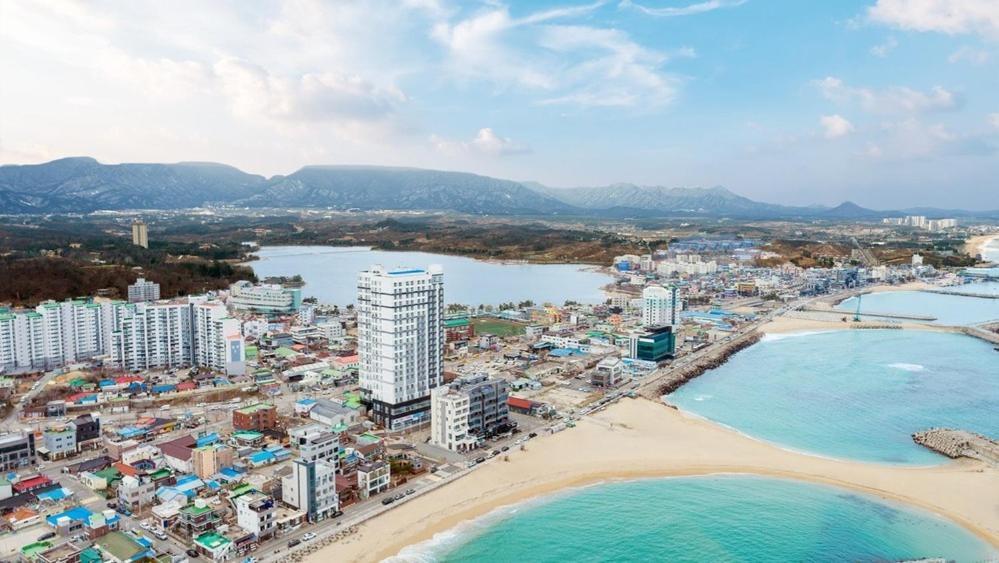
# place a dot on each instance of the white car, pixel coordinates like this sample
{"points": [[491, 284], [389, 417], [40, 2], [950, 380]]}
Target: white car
{"points": [[144, 525], [308, 536]]}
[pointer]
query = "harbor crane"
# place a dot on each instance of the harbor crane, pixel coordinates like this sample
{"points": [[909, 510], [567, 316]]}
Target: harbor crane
{"points": [[856, 315]]}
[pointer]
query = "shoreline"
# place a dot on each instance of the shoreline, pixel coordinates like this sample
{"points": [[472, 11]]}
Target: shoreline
{"points": [[639, 438], [976, 245]]}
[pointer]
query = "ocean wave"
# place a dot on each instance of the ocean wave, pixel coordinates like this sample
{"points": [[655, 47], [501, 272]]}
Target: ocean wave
{"points": [[907, 367], [703, 397], [777, 337]]}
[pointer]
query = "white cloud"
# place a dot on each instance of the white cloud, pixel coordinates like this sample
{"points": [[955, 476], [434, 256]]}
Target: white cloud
{"points": [[579, 65], [952, 17], [881, 50], [835, 126], [253, 91], [688, 10], [486, 142], [896, 99], [969, 55], [993, 119]]}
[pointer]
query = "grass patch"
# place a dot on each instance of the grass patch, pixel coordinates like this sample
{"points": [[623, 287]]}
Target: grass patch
{"points": [[499, 327]]}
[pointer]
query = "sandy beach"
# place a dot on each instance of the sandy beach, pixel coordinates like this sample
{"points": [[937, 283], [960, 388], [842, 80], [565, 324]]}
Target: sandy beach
{"points": [[639, 438], [975, 245]]}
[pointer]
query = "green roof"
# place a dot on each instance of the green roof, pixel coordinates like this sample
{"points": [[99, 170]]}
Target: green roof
{"points": [[108, 473], [247, 435], [284, 352], [451, 323], [241, 490], [195, 510], [120, 545], [90, 555], [251, 352], [212, 540], [33, 549], [160, 473]]}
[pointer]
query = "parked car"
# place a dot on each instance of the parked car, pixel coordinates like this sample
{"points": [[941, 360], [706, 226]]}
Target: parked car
{"points": [[388, 500], [160, 534], [505, 448], [410, 491], [532, 435], [480, 459], [293, 543], [144, 525], [46, 536], [308, 536], [192, 553]]}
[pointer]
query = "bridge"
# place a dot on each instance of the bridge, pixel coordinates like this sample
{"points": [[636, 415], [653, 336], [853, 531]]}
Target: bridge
{"points": [[900, 316]]}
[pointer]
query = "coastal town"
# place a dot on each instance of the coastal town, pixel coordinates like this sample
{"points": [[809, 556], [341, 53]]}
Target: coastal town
{"points": [[257, 423]]}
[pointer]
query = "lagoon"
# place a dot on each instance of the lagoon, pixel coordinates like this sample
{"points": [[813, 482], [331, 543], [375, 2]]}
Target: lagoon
{"points": [[852, 394], [331, 272], [710, 518]]}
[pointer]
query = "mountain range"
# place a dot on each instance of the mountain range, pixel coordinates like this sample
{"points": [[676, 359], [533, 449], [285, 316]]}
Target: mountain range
{"points": [[82, 184]]}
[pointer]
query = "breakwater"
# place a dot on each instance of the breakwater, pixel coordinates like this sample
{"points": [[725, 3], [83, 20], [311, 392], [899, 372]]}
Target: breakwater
{"points": [[673, 378], [963, 293], [959, 443]]}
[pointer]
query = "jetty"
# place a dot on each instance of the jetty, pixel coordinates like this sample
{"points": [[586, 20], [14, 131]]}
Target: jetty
{"points": [[963, 293], [900, 316], [959, 443], [667, 380]]}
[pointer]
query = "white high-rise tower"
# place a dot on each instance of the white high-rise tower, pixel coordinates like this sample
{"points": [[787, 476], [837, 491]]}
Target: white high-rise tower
{"points": [[400, 335], [661, 306]]}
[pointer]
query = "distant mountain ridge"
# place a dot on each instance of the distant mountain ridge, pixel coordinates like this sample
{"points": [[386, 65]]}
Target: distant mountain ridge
{"points": [[82, 184]]}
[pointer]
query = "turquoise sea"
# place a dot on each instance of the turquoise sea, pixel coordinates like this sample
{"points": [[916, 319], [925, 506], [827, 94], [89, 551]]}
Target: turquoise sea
{"points": [[330, 273], [705, 519], [948, 309], [856, 394]]}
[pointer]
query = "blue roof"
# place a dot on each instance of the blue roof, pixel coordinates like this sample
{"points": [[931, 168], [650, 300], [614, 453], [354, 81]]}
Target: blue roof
{"points": [[185, 479], [106, 382], [163, 388], [305, 402], [261, 457], [77, 513], [207, 439], [564, 352], [131, 432], [407, 272], [55, 494], [230, 472]]}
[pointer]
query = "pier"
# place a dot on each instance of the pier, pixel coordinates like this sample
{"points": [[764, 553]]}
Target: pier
{"points": [[963, 293], [900, 316]]}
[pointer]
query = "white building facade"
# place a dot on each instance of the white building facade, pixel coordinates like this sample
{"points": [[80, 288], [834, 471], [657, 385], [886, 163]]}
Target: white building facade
{"points": [[400, 336], [661, 306]]}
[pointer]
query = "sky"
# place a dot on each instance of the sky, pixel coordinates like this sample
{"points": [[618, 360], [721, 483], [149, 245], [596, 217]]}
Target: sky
{"points": [[888, 103]]}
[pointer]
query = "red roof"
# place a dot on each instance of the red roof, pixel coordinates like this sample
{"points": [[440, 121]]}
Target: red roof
{"points": [[186, 386], [31, 483], [125, 469], [126, 379], [180, 448], [519, 403]]}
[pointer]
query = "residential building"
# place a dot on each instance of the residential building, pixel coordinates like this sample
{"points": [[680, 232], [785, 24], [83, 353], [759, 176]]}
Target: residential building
{"points": [[468, 410], [142, 291], [209, 460], [17, 451], [608, 373], [661, 306], [332, 413], [373, 477], [255, 513], [140, 234], [152, 336], [88, 431], [199, 517], [258, 416], [316, 442], [219, 343], [51, 335], [58, 441], [311, 487], [136, 493], [264, 298], [119, 547], [400, 342], [655, 344]]}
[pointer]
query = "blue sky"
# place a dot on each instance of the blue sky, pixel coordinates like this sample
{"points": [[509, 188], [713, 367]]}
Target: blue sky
{"points": [[888, 103]]}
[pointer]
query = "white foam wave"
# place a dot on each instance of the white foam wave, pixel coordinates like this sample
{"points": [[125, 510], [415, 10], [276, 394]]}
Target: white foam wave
{"points": [[778, 336], [907, 367], [703, 397]]}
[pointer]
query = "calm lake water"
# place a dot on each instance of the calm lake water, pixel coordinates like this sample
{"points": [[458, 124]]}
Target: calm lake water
{"points": [[331, 272], [853, 394], [703, 519]]}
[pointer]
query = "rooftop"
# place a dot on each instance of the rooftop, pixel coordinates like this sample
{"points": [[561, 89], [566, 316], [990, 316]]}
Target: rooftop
{"points": [[212, 540]]}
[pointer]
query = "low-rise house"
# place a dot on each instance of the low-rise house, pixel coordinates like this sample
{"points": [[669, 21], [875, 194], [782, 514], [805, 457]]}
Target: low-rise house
{"points": [[214, 545], [373, 478], [608, 373]]}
